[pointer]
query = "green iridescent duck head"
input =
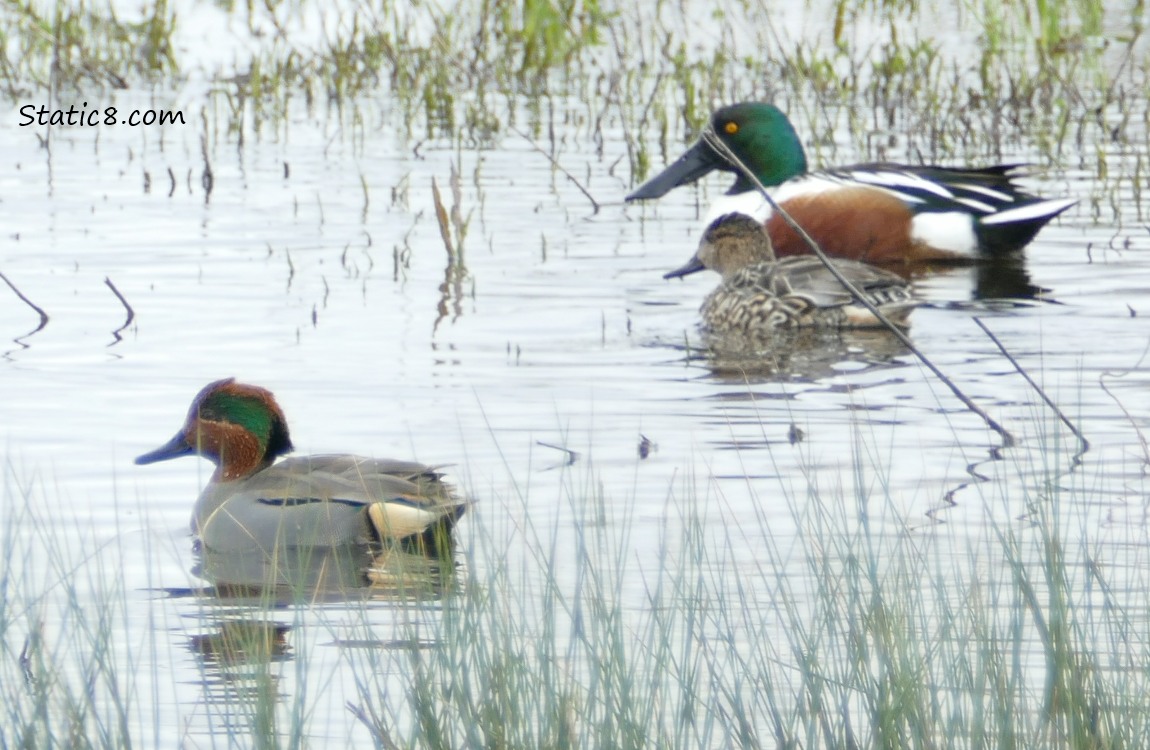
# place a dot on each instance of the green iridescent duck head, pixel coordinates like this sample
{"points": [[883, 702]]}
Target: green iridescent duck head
{"points": [[238, 427]]}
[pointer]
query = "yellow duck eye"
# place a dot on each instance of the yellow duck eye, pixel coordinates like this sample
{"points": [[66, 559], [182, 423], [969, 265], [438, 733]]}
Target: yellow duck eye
{"points": [[731, 127]]}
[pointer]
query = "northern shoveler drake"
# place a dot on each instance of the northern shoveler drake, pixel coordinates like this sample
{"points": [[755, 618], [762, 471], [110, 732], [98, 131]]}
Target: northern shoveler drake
{"points": [[880, 213], [252, 503], [759, 294]]}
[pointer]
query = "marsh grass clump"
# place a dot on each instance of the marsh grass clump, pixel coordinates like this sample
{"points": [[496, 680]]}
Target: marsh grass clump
{"points": [[858, 632], [1003, 79], [822, 618], [79, 45], [65, 673], [445, 67], [545, 34]]}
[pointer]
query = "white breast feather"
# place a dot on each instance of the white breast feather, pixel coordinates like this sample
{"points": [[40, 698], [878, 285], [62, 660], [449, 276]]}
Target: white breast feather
{"points": [[754, 205]]}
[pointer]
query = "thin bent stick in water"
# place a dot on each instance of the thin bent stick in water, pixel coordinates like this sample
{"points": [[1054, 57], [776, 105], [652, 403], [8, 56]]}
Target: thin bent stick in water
{"points": [[444, 225], [557, 165], [1084, 443], [39, 310], [713, 140], [572, 456], [124, 302]]}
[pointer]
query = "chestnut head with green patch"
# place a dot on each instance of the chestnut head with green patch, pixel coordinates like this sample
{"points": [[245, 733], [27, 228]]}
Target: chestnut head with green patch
{"points": [[238, 427]]}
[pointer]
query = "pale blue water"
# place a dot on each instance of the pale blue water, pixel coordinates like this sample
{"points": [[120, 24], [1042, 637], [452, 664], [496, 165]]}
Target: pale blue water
{"points": [[561, 333]]}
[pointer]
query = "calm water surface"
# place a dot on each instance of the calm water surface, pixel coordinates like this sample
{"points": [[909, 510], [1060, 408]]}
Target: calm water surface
{"points": [[562, 333]]}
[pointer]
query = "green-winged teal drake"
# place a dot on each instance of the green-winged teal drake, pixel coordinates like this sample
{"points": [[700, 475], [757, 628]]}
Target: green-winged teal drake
{"points": [[253, 503]]}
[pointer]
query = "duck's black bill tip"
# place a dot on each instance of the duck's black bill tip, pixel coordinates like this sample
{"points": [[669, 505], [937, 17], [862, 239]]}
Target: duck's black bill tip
{"points": [[694, 265], [699, 160], [174, 448]]}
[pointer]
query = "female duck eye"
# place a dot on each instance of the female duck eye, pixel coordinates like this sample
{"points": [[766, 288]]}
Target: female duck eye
{"points": [[731, 128]]}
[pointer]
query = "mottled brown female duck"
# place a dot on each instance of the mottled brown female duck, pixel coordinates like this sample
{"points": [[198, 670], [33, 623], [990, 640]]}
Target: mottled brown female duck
{"points": [[759, 294]]}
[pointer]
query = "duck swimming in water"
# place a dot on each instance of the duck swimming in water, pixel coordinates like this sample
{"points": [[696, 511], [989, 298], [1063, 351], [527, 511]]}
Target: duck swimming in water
{"points": [[253, 502], [758, 294]]}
